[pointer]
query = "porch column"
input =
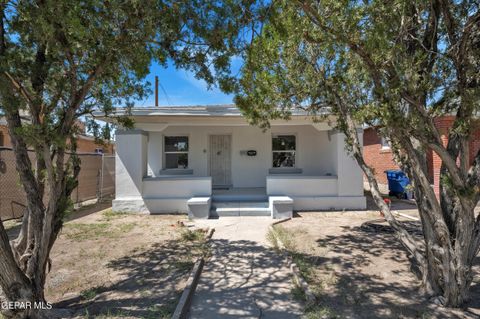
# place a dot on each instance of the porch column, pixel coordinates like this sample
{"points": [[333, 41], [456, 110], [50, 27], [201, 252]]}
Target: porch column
{"points": [[349, 174], [130, 163]]}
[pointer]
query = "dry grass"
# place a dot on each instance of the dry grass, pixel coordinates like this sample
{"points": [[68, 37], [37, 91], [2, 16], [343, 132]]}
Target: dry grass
{"points": [[354, 273], [114, 265]]}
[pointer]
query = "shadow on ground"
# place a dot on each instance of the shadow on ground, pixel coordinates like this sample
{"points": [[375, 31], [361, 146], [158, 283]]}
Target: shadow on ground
{"points": [[148, 286], [396, 204], [367, 275], [244, 279]]}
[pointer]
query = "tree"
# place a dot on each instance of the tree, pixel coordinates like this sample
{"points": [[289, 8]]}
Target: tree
{"points": [[61, 60], [394, 65]]}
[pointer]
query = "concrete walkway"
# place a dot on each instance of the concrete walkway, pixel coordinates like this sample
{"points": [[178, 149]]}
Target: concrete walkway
{"points": [[244, 278]]}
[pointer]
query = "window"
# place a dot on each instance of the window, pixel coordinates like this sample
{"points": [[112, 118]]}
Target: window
{"points": [[1, 139], [283, 148], [176, 152]]}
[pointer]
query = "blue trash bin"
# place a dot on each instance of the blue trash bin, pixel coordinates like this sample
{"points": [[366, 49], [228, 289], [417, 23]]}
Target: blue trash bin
{"points": [[397, 183]]}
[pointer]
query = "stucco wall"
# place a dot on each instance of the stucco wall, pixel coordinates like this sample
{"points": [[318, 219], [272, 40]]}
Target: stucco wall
{"points": [[130, 164], [348, 172], [315, 151], [330, 178]]}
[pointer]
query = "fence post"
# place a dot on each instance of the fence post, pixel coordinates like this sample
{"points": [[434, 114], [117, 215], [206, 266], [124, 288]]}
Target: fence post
{"points": [[102, 176]]}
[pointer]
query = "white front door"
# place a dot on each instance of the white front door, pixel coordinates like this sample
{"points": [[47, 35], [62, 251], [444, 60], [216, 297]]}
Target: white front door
{"points": [[220, 160]]}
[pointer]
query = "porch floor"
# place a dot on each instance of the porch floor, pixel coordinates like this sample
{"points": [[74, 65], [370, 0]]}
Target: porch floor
{"points": [[253, 194]]}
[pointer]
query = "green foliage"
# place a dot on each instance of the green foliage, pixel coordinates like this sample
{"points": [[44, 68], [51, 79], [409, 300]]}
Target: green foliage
{"points": [[94, 55], [89, 294], [395, 66], [318, 311], [61, 61], [298, 293], [192, 235], [317, 56]]}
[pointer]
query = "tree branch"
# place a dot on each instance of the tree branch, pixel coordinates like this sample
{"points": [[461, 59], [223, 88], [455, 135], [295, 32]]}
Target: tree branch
{"points": [[20, 88], [401, 233]]}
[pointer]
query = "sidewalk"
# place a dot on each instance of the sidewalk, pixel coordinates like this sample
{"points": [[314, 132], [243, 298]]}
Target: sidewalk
{"points": [[244, 278]]}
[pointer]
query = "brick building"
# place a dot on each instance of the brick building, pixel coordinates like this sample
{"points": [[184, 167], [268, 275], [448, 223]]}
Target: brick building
{"points": [[378, 155]]}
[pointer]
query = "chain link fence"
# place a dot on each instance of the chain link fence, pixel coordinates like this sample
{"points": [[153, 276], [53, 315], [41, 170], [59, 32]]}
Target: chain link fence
{"points": [[95, 181]]}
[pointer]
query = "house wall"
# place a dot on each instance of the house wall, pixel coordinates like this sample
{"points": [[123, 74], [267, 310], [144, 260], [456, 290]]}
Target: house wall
{"points": [[130, 164], [444, 125], [315, 152], [86, 144], [330, 178], [382, 159]]}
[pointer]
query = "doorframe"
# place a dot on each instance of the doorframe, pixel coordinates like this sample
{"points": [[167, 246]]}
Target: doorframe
{"points": [[210, 162]]}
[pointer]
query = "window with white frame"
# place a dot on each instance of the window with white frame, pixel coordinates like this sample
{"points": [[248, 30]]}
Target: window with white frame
{"points": [[283, 148], [176, 152]]}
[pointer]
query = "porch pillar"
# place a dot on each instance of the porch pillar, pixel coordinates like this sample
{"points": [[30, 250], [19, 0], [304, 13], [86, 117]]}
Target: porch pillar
{"points": [[130, 166], [349, 174]]}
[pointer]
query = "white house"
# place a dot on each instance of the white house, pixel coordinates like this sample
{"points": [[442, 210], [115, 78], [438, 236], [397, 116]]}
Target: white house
{"points": [[208, 161]]}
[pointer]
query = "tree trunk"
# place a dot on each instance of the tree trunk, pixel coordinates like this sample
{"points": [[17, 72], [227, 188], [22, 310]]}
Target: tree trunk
{"points": [[27, 285], [24, 260], [446, 257]]}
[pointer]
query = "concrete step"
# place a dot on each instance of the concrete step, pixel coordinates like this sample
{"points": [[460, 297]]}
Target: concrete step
{"points": [[220, 209], [239, 197]]}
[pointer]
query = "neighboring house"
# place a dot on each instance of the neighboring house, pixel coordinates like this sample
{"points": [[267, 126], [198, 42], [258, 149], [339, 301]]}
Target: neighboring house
{"points": [[4, 136], [88, 144], [85, 143], [378, 155], [178, 156]]}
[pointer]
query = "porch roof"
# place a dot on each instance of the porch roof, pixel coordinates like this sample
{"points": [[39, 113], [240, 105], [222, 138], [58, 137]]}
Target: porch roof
{"points": [[218, 110]]}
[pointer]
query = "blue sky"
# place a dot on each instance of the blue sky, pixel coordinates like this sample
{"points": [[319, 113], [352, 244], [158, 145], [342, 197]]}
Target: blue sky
{"points": [[182, 89]]}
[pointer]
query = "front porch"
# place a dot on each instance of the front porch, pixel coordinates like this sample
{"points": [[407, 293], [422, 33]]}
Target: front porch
{"points": [[235, 169], [167, 194]]}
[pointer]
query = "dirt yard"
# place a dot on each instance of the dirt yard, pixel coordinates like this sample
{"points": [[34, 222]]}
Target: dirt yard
{"points": [[109, 265], [358, 272]]}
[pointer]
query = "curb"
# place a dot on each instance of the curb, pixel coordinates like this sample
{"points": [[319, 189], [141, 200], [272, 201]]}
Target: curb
{"points": [[297, 276], [280, 221], [300, 281], [183, 305], [186, 298]]}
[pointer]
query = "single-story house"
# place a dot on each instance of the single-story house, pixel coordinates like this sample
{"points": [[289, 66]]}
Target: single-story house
{"points": [[208, 160]]}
